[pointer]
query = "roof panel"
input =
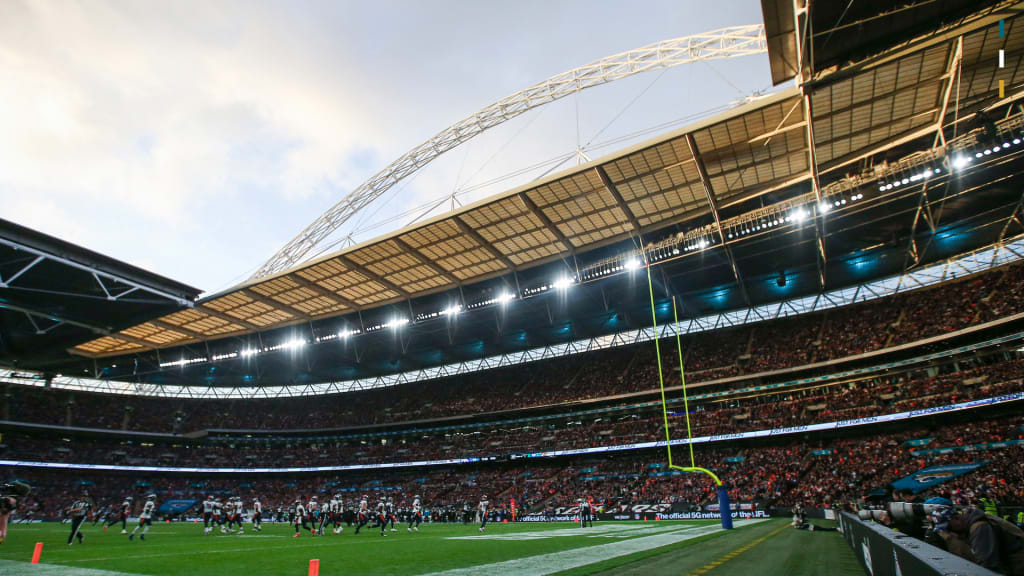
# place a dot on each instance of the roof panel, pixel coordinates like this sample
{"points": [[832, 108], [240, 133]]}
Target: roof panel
{"points": [[746, 152]]}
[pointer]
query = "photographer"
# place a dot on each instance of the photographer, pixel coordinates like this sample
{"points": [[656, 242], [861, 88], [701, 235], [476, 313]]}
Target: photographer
{"points": [[982, 538], [9, 495], [800, 521]]}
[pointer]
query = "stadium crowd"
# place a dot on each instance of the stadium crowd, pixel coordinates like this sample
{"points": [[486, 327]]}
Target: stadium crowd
{"points": [[820, 472], [808, 404]]}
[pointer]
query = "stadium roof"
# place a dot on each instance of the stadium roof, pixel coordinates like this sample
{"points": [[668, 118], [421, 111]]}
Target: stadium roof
{"points": [[834, 34], [719, 165], [54, 293]]}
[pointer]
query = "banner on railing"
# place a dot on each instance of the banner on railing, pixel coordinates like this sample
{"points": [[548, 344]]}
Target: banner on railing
{"points": [[175, 506], [919, 442], [933, 476], [970, 447]]}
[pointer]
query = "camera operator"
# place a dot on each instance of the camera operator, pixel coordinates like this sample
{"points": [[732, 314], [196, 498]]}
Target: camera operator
{"points": [[910, 518], [9, 495], [982, 538], [800, 521]]}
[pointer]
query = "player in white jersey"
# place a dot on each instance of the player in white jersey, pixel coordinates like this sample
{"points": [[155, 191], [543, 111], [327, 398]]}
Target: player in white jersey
{"points": [[363, 515], [219, 514], [337, 508], [208, 515], [313, 511], [146, 518], [382, 517], [257, 515], [239, 510], [482, 508], [391, 517], [300, 518], [417, 514]]}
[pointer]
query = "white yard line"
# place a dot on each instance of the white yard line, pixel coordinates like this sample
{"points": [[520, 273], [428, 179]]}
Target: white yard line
{"points": [[568, 559]]}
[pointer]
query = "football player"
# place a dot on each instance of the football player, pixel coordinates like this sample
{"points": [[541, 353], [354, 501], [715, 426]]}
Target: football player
{"points": [[336, 510], [482, 507], [239, 514], [146, 518], [299, 517], [257, 515], [389, 508], [417, 514], [122, 516], [363, 515], [382, 517], [218, 515], [325, 514], [208, 505]]}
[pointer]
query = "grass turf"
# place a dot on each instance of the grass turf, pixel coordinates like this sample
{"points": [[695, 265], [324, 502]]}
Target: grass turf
{"points": [[651, 548]]}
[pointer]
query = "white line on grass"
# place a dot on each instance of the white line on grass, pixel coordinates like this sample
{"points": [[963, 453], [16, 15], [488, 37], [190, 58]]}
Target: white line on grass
{"points": [[21, 568], [568, 559], [599, 531], [205, 552]]}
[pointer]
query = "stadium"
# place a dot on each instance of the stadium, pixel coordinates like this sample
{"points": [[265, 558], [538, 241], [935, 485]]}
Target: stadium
{"points": [[786, 337]]}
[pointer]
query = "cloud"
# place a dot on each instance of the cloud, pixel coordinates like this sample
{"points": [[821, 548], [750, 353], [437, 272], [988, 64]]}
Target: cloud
{"points": [[190, 136]]}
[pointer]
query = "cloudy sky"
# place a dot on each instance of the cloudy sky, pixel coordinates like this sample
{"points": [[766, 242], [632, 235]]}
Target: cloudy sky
{"points": [[194, 139]]}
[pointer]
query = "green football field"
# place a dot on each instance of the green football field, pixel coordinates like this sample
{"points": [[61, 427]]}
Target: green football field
{"points": [[679, 548]]}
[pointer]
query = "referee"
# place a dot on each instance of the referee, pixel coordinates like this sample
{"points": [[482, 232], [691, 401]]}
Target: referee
{"points": [[77, 513]]}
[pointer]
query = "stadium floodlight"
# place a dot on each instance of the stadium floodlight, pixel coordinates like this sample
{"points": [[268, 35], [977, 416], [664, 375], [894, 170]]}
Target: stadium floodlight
{"points": [[961, 161], [452, 310], [824, 207], [562, 283], [799, 215], [506, 297], [397, 322], [632, 264], [294, 344]]}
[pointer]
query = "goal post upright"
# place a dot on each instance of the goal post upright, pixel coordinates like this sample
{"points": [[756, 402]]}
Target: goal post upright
{"points": [[724, 507]]}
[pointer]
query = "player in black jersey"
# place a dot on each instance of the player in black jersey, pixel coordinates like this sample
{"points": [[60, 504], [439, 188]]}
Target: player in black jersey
{"points": [[101, 515], [122, 516]]}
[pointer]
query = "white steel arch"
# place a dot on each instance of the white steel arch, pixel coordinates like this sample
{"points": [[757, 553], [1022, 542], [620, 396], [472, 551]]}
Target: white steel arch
{"points": [[715, 45]]}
